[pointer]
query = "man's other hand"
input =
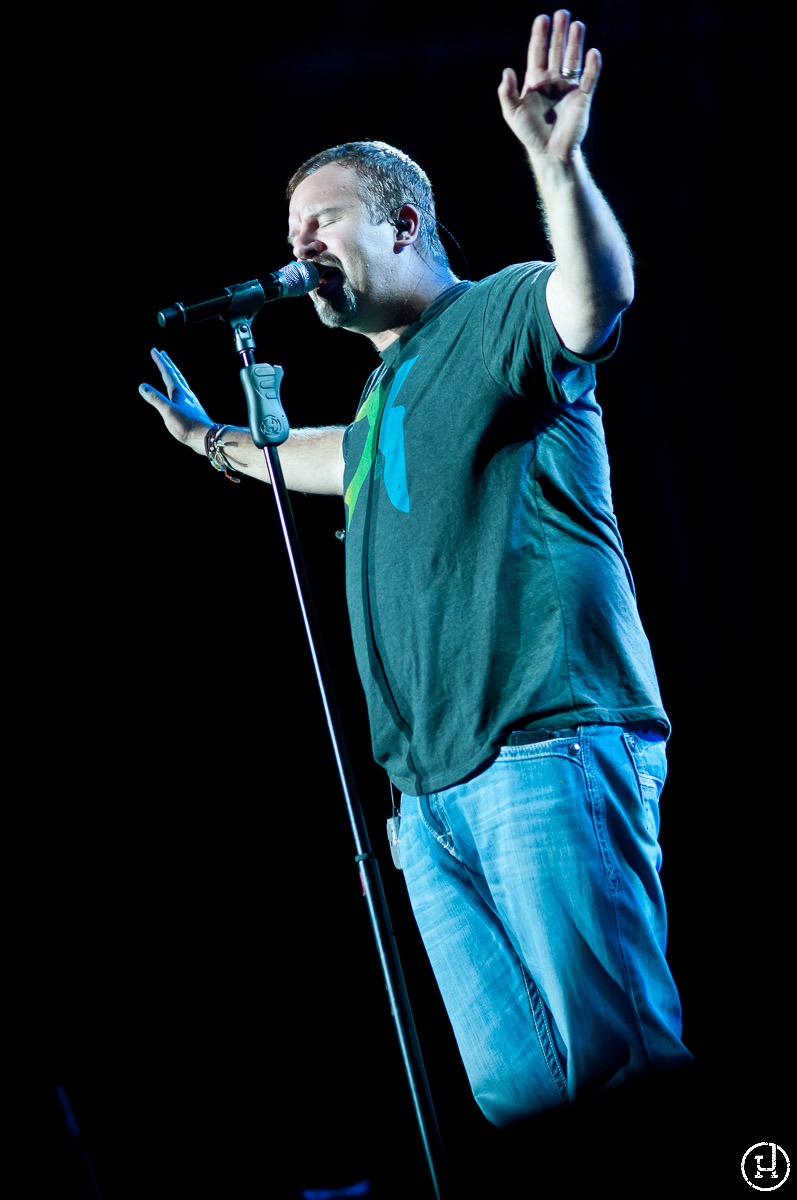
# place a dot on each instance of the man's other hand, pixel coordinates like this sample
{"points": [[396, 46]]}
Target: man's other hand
{"points": [[183, 415]]}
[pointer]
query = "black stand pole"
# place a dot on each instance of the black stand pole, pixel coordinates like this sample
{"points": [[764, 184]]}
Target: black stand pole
{"points": [[269, 428]]}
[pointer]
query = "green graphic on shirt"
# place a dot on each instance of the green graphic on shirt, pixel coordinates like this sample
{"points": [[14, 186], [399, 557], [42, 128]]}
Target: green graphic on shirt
{"points": [[385, 434]]}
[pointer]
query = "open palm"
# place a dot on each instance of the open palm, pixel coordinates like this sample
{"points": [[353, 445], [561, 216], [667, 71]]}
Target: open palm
{"points": [[550, 113]]}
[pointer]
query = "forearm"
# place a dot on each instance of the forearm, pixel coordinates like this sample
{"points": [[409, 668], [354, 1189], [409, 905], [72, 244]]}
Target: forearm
{"points": [[593, 281], [594, 278], [311, 459], [590, 248]]}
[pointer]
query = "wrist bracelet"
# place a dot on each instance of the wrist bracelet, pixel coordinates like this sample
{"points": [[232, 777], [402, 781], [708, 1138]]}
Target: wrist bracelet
{"points": [[214, 448]]}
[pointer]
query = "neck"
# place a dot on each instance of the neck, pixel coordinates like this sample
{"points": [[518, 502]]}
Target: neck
{"points": [[425, 290]]}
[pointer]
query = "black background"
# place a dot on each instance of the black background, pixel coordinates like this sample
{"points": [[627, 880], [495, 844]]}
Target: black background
{"points": [[203, 980]]}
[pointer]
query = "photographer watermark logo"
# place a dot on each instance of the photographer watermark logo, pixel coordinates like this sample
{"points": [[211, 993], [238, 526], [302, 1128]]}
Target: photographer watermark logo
{"points": [[765, 1167]]}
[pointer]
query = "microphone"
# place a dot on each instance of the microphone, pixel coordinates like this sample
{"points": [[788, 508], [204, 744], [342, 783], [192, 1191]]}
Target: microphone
{"points": [[297, 279]]}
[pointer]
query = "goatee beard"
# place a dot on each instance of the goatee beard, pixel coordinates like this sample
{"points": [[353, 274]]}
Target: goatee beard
{"points": [[338, 308]]}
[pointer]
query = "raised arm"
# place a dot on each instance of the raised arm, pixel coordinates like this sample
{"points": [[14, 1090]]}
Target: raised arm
{"points": [[311, 459], [593, 281]]}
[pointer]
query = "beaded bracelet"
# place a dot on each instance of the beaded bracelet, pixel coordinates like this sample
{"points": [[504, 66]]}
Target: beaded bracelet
{"points": [[214, 448]]}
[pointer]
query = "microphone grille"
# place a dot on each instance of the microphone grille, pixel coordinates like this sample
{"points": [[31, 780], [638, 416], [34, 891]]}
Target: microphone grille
{"points": [[298, 278]]}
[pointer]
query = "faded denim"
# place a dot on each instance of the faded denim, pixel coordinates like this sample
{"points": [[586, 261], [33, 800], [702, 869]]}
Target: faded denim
{"points": [[535, 885]]}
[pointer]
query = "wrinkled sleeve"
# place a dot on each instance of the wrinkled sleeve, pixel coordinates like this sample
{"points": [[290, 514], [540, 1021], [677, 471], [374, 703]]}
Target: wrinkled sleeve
{"points": [[519, 340]]}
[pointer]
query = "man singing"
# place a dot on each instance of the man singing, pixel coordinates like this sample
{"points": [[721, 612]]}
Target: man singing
{"points": [[511, 693]]}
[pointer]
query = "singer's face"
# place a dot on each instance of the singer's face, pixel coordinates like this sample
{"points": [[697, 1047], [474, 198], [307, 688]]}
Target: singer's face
{"points": [[330, 226]]}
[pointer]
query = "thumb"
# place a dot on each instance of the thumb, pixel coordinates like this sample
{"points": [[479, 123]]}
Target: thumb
{"points": [[508, 92], [152, 395]]}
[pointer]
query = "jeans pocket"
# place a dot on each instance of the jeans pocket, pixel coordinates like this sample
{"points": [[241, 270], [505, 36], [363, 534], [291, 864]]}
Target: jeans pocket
{"points": [[649, 760], [434, 817]]}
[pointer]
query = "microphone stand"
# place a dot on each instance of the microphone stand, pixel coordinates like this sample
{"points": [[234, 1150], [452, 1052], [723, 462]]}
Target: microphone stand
{"points": [[269, 427]]}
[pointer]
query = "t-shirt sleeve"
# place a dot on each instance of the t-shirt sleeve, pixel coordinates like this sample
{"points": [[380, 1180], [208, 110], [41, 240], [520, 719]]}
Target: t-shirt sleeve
{"points": [[519, 340]]}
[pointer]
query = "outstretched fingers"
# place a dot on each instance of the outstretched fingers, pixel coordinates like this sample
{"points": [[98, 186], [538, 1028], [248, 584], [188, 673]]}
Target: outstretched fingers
{"points": [[537, 56], [553, 44], [572, 51], [560, 37], [556, 50], [182, 414], [177, 388], [170, 374], [592, 70]]}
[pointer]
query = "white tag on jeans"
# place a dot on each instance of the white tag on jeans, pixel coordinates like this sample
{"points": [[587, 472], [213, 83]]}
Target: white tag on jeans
{"points": [[393, 838]]}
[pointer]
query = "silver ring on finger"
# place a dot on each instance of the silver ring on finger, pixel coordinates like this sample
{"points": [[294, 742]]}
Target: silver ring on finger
{"points": [[574, 73]]}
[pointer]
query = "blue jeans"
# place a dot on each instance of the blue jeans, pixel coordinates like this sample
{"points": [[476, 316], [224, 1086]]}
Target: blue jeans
{"points": [[535, 886]]}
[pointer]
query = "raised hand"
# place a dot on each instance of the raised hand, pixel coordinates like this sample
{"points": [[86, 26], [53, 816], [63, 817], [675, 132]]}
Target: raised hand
{"points": [[183, 415], [550, 113]]}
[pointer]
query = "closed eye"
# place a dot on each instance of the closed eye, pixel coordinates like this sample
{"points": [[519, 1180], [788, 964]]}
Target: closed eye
{"points": [[321, 219]]}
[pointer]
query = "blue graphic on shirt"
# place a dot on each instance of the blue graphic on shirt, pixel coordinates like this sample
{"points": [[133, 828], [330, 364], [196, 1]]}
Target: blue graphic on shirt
{"points": [[391, 443]]}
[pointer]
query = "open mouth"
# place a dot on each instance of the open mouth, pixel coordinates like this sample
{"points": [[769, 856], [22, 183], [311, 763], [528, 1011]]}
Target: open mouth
{"points": [[326, 274]]}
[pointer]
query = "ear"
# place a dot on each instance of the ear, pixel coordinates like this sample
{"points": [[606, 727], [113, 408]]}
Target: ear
{"points": [[407, 222]]}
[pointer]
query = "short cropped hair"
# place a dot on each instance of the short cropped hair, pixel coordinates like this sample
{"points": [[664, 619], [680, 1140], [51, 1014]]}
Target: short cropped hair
{"points": [[387, 178]]}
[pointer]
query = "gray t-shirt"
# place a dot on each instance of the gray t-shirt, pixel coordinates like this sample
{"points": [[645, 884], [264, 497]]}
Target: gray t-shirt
{"points": [[486, 581]]}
